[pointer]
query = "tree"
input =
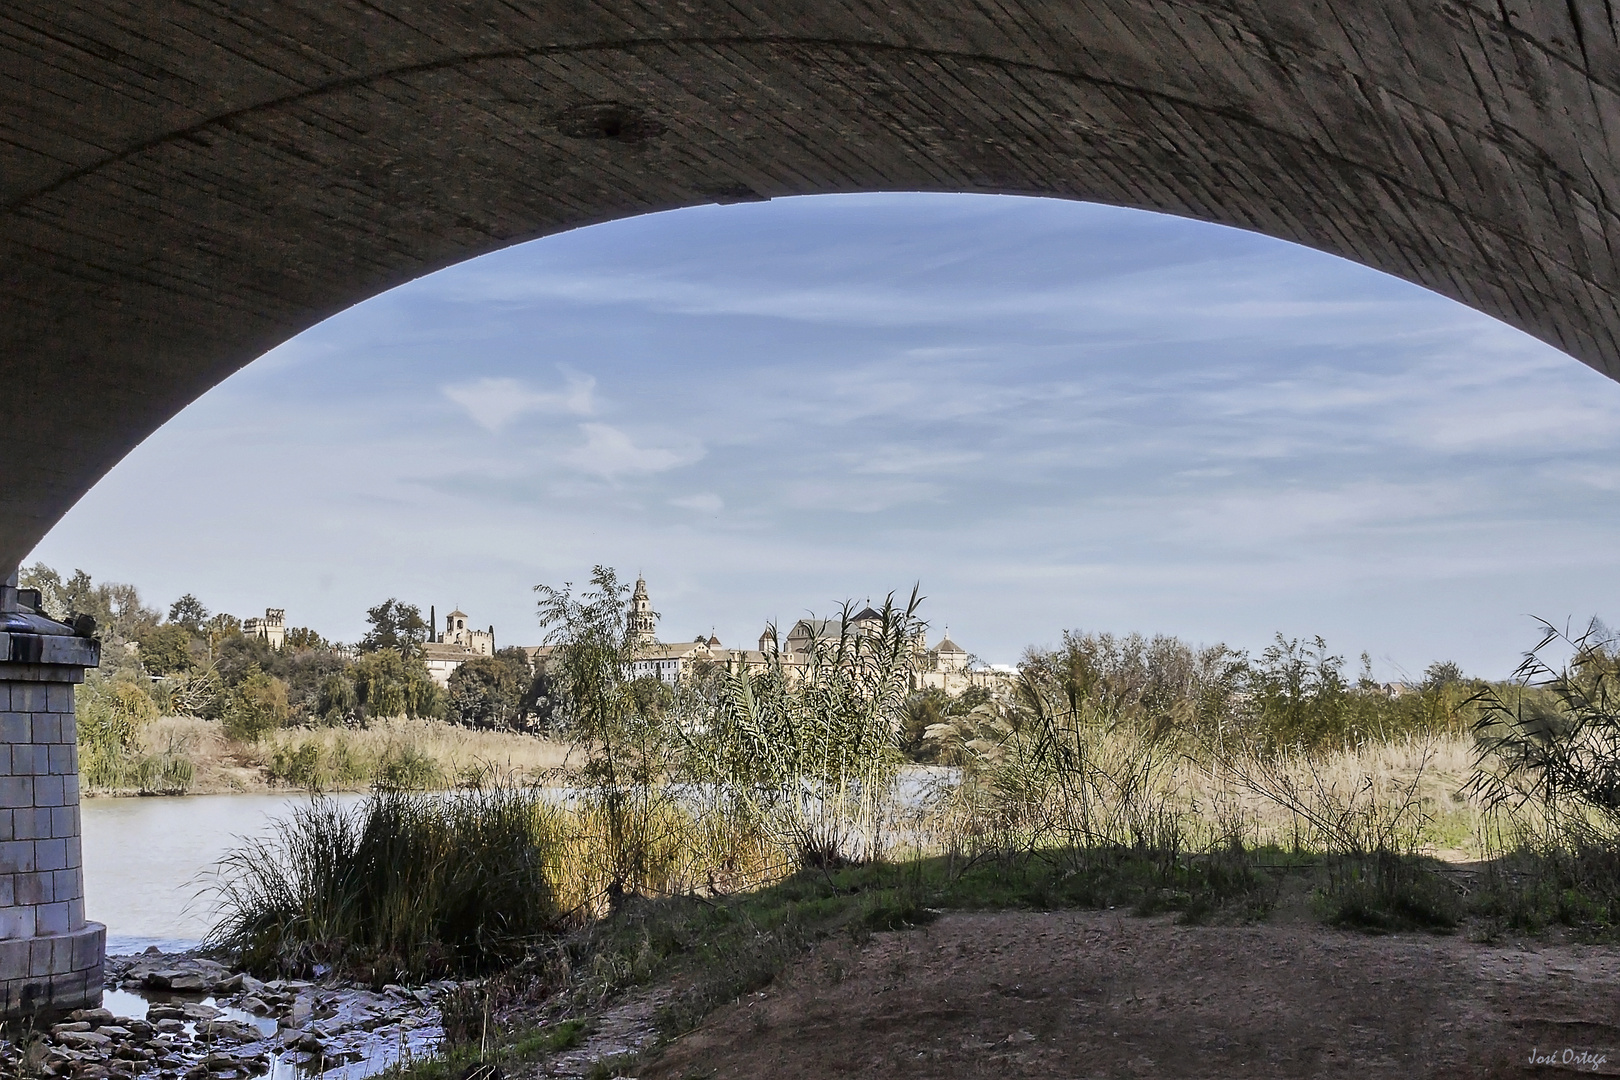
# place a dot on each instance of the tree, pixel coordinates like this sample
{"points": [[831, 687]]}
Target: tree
{"points": [[166, 650], [590, 660], [257, 704], [49, 583], [488, 691], [625, 746], [303, 639], [397, 626], [120, 616], [389, 684], [1441, 673], [237, 655], [337, 700], [1298, 695], [188, 611], [221, 627]]}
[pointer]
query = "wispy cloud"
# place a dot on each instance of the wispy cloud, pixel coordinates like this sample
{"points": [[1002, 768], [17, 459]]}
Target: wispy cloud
{"points": [[610, 453], [707, 502], [493, 403]]}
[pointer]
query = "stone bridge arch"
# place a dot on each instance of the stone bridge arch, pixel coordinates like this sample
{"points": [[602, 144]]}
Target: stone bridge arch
{"points": [[183, 185], [186, 183]]}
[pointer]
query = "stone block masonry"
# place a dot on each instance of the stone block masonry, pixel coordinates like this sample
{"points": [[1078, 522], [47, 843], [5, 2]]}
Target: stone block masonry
{"points": [[50, 956], [185, 185]]}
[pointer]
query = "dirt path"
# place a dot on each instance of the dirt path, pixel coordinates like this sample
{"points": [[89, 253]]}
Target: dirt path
{"points": [[1080, 994]]}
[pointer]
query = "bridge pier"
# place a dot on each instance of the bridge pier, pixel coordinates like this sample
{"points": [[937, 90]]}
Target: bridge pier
{"points": [[50, 957]]}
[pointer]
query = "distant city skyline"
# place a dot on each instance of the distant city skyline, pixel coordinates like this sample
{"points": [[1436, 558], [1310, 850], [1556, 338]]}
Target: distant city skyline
{"points": [[1053, 415]]}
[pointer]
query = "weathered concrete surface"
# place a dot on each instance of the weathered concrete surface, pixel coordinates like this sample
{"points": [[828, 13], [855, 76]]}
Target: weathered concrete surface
{"points": [[185, 183]]}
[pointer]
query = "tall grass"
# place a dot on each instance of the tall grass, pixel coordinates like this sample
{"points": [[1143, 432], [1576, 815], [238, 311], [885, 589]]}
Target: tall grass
{"points": [[400, 885], [405, 754], [811, 757]]}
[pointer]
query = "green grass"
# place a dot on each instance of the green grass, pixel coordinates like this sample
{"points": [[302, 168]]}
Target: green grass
{"points": [[1381, 893]]}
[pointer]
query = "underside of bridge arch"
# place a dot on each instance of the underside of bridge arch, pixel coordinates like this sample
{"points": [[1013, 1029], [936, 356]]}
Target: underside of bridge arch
{"points": [[185, 184]]}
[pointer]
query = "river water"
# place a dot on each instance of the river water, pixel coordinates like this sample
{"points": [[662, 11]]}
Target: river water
{"points": [[147, 862]]}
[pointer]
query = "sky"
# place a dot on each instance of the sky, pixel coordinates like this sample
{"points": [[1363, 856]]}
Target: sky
{"points": [[1052, 415]]}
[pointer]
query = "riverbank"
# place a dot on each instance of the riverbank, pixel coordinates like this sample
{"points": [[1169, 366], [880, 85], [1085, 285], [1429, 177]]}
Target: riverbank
{"points": [[1018, 968], [401, 752], [170, 1015]]}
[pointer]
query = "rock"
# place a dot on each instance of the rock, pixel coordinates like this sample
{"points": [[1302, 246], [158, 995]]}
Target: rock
{"points": [[255, 1005], [77, 1025], [93, 1017], [196, 1010], [83, 1039], [114, 1031], [228, 1031], [170, 1024]]}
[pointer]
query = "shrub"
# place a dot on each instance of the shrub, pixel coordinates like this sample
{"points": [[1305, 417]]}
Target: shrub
{"points": [[337, 699], [317, 765]]}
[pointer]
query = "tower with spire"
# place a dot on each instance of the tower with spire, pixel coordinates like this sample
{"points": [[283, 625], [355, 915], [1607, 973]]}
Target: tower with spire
{"points": [[642, 622]]}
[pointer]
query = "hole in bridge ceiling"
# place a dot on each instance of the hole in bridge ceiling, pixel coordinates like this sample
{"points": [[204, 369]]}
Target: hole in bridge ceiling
{"points": [[609, 120]]}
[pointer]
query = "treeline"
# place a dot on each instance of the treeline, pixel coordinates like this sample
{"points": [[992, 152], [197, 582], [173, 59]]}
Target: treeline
{"points": [[191, 661], [194, 662]]}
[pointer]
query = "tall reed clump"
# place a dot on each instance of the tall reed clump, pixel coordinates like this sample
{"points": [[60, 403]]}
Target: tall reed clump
{"points": [[1549, 772], [398, 886], [1071, 780], [810, 755]]}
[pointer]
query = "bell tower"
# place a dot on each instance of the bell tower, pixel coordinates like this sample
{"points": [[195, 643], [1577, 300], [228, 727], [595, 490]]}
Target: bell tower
{"points": [[642, 622]]}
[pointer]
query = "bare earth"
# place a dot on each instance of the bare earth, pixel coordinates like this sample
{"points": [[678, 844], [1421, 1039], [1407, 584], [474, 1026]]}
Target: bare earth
{"points": [[1081, 994]]}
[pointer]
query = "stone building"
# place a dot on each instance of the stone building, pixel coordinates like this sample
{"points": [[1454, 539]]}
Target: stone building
{"points": [[642, 622], [272, 628], [446, 651]]}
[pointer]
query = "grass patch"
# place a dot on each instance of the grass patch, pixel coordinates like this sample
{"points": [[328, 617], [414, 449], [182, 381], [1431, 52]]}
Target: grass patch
{"points": [[1383, 892]]}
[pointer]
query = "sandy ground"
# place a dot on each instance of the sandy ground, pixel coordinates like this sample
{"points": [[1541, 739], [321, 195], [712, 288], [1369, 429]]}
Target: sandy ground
{"points": [[1082, 994]]}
